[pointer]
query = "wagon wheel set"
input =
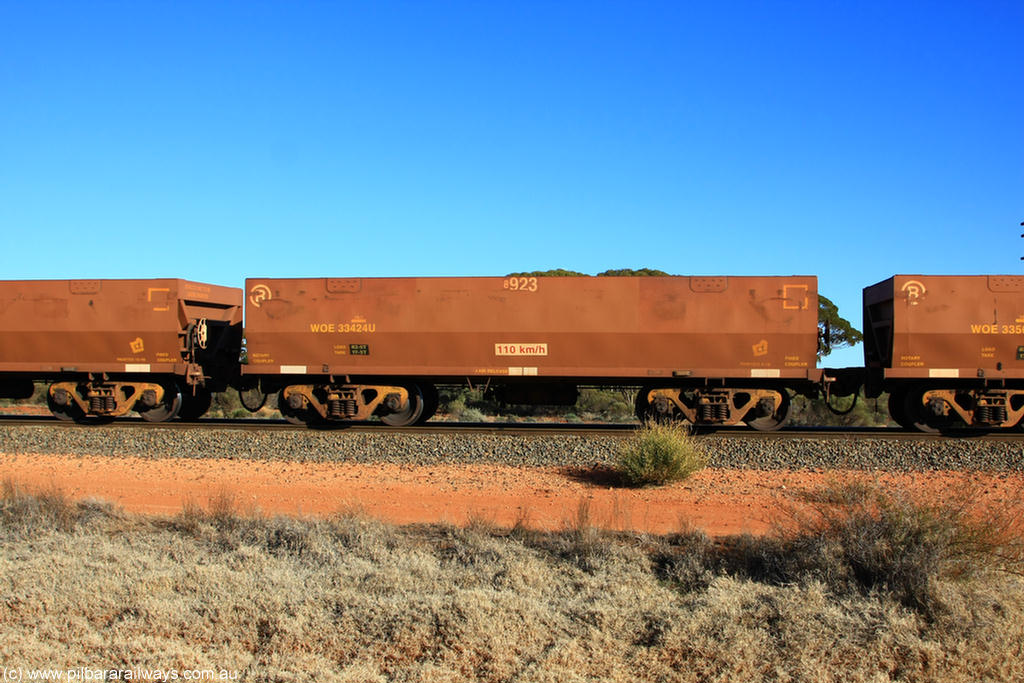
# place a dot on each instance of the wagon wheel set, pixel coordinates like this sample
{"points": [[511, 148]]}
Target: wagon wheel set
{"points": [[762, 409], [95, 403], [926, 408], [398, 405]]}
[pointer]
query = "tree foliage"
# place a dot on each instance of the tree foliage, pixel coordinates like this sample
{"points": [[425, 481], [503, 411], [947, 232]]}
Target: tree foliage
{"points": [[615, 272], [838, 332], [631, 272], [556, 272]]}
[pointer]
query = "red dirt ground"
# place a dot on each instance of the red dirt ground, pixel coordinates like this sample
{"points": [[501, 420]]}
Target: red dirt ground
{"points": [[721, 502]]}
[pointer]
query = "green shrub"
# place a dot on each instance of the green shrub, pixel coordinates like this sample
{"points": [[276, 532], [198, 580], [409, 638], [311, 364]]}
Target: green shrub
{"points": [[868, 412], [609, 405], [659, 453], [227, 404], [471, 415]]}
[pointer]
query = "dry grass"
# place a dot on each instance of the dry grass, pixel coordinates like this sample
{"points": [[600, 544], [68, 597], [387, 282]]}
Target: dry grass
{"points": [[46, 507], [353, 599], [870, 537]]}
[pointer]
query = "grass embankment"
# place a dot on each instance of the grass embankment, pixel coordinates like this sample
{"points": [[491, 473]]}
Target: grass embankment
{"points": [[862, 585]]}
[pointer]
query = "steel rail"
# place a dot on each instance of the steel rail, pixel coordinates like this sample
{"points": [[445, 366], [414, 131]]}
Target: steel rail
{"points": [[519, 429]]}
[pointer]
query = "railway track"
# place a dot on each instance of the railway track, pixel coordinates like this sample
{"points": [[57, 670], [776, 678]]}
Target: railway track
{"points": [[516, 429]]}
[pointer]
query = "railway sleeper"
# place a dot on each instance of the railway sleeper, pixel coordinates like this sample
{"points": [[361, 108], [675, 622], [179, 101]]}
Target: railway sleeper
{"points": [[92, 400], [356, 402], [990, 409], [762, 409]]}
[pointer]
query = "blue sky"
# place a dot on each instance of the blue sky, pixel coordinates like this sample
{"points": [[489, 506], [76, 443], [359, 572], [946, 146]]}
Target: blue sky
{"points": [[215, 141]]}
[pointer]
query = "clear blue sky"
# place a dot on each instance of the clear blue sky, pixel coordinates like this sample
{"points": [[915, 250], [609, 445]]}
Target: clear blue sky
{"points": [[219, 140]]}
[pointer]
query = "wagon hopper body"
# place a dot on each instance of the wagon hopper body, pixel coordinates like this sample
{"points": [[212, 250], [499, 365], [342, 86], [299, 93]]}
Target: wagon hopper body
{"points": [[709, 349], [948, 349], [157, 346]]}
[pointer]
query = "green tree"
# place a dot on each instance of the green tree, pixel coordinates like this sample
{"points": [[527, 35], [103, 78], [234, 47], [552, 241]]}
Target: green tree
{"points": [[837, 331], [630, 272], [557, 272], [615, 272]]}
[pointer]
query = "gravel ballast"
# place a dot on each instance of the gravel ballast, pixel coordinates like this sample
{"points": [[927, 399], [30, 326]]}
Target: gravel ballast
{"points": [[550, 449]]}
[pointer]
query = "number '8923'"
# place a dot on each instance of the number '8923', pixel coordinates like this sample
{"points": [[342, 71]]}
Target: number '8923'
{"points": [[521, 284]]}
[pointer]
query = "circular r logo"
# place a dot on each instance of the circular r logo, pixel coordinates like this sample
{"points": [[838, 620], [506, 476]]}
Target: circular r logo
{"points": [[259, 294], [915, 290]]}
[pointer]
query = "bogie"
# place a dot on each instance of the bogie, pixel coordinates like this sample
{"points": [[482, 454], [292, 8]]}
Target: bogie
{"points": [[395, 405], [95, 401], [761, 408]]}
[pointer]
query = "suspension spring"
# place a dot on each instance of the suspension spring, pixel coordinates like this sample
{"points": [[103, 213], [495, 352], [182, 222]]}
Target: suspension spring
{"points": [[334, 407], [341, 407], [990, 414], [102, 404], [713, 412]]}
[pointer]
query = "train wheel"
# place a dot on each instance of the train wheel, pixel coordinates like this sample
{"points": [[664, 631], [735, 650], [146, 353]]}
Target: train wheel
{"points": [[296, 417], [916, 414], [898, 409], [167, 409], [194, 406], [1015, 404], [431, 401], [641, 407], [646, 412], [776, 420], [410, 413], [63, 406], [662, 410]]}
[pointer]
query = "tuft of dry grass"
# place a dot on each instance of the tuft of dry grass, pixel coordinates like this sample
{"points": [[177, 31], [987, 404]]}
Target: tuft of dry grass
{"points": [[224, 508], [47, 507], [659, 453]]}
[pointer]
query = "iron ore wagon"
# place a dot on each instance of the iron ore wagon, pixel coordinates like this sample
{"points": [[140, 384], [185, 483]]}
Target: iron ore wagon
{"points": [[949, 349], [106, 347], [712, 350]]}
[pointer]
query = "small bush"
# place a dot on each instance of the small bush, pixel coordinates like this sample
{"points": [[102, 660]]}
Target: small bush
{"points": [[658, 454], [610, 405], [465, 405], [870, 537], [471, 415]]}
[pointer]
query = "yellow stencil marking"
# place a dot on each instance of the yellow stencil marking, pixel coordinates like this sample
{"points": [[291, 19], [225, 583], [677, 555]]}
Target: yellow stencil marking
{"points": [[797, 294], [149, 297], [515, 349], [915, 290]]}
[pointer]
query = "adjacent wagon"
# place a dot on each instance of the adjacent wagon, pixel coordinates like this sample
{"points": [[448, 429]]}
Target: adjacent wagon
{"points": [[949, 349], [106, 347]]}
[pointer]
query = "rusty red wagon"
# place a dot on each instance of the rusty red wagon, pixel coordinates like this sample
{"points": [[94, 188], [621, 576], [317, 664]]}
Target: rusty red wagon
{"points": [[107, 347], [712, 350]]}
